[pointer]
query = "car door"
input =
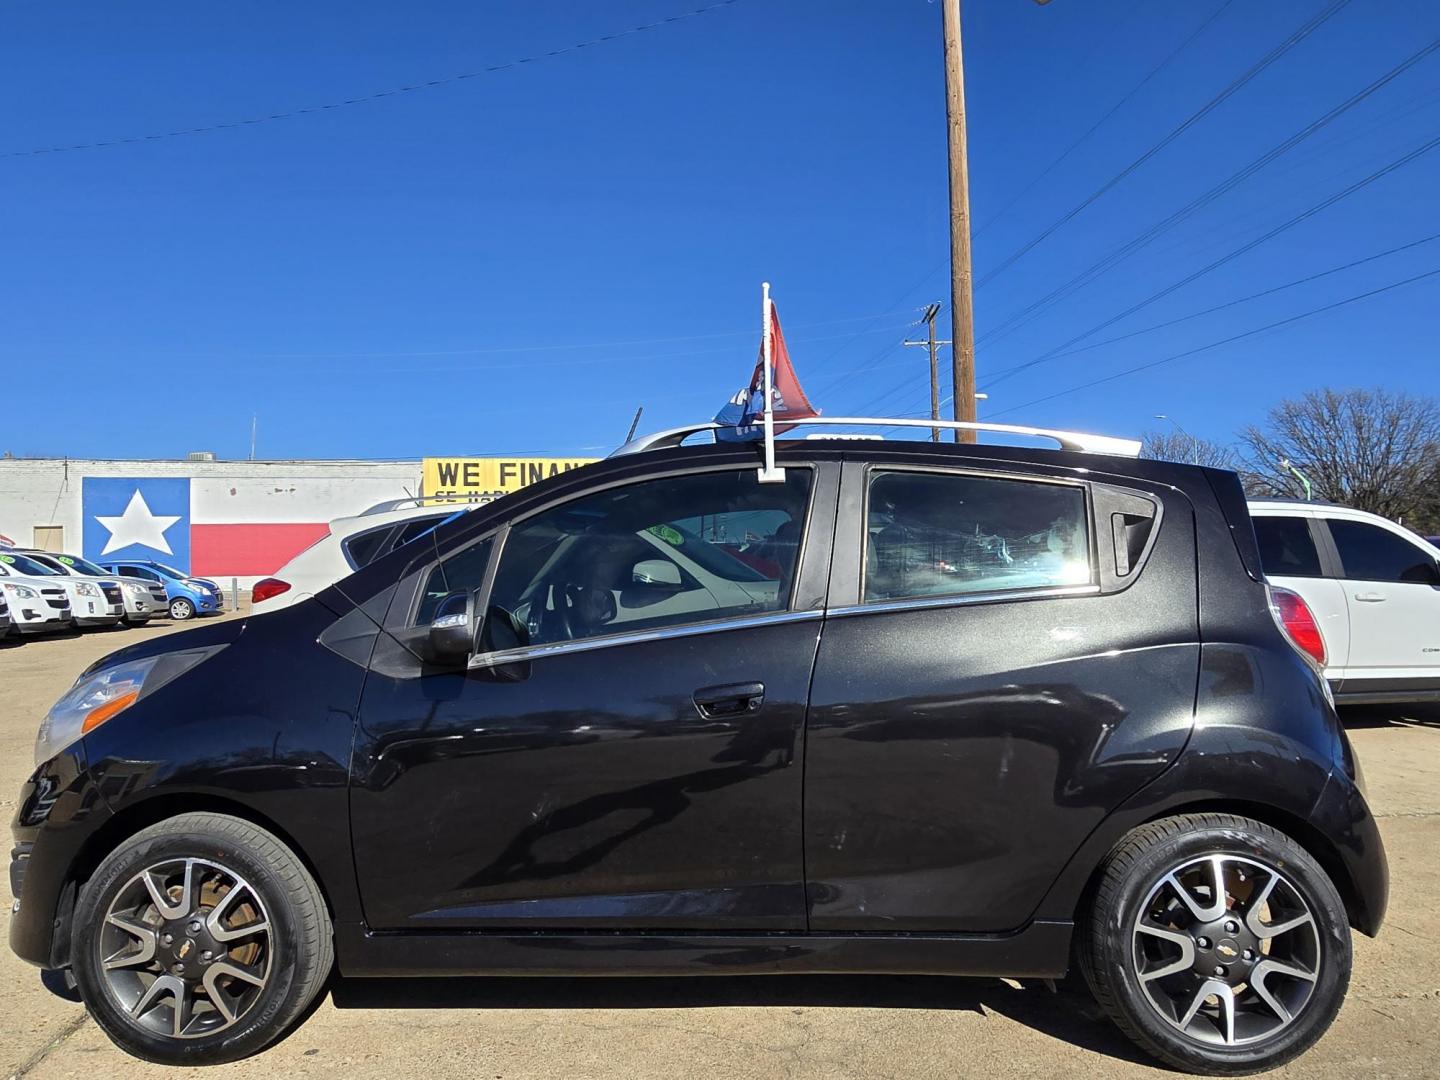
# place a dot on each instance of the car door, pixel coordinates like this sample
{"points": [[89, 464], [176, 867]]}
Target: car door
{"points": [[1008, 654], [629, 755], [1392, 591], [1295, 555]]}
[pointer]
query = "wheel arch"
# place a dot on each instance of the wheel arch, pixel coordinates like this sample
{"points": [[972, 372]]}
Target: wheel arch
{"points": [[1313, 840], [143, 813]]}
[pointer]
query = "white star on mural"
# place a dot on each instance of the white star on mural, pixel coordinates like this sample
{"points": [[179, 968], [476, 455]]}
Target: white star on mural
{"points": [[137, 526]]}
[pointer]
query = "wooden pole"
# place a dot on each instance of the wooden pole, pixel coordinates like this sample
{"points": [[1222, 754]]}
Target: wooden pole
{"points": [[961, 301]]}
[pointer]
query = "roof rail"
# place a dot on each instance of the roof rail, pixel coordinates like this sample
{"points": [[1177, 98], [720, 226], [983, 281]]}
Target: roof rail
{"points": [[1068, 440], [413, 500]]}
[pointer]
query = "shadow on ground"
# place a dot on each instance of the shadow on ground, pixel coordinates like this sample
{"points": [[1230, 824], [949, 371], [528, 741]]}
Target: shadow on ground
{"points": [[1379, 716], [1067, 1013]]}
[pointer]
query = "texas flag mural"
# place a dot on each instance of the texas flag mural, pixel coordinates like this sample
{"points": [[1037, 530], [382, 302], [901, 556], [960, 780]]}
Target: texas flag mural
{"points": [[199, 526]]}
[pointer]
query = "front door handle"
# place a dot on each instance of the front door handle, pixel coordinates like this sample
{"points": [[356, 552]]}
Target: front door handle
{"points": [[1370, 597], [733, 699]]}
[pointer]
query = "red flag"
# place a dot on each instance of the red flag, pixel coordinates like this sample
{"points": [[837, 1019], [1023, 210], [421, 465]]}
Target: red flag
{"points": [[787, 396]]}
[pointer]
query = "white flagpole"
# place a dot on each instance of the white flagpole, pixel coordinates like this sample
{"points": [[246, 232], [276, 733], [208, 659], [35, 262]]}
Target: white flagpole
{"points": [[769, 474]]}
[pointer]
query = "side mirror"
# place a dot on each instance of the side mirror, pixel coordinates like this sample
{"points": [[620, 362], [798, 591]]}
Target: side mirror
{"points": [[656, 574], [452, 634]]}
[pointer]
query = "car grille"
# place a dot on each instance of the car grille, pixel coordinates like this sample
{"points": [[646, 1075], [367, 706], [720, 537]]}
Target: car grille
{"points": [[56, 598], [112, 593], [157, 593]]}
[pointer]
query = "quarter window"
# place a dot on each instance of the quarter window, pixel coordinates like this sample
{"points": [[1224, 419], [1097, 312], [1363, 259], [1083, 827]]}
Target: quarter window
{"points": [[362, 548], [1370, 553], [462, 572], [662, 553], [1286, 547], [934, 534]]}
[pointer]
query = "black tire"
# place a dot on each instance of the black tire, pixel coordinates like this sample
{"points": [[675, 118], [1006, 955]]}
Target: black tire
{"points": [[1133, 874], [299, 949], [181, 609]]}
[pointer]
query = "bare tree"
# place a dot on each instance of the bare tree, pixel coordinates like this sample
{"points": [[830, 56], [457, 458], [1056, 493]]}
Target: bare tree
{"points": [[1188, 449], [1370, 449]]}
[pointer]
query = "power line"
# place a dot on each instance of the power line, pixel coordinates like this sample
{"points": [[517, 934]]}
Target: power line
{"points": [[1255, 296], [1270, 234], [1217, 344], [1252, 296], [1225, 4], [429, 84], [1304, 31], [1115, 257]]}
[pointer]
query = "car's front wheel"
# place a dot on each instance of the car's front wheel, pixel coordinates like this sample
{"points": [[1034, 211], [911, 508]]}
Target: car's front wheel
{"points": [[199, 940], [1217, 943], [181, 608]]}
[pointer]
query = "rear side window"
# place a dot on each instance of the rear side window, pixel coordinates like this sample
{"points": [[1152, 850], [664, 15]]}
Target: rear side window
{"points": [[1286, 547], [419, 527], [931, 534], [1370, 553], [362, 548]]}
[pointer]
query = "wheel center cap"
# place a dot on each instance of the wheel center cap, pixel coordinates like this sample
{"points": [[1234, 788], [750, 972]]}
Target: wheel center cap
{"points": [[1227, 949]]}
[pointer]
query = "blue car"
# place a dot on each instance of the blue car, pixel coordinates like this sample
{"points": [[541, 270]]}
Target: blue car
{"points": [[187, 596]]}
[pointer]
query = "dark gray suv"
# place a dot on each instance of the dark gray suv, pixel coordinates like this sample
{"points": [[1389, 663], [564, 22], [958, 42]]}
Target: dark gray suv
{"points": [[907, 707]]}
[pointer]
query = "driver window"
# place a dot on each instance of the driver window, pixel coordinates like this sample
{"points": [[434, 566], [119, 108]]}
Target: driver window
{"points": [[660, 553]]}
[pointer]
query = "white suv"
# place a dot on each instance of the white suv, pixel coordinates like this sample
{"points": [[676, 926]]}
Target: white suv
{"points": [[351, 543], [38, 603], [1374, 589], [94, 602]]}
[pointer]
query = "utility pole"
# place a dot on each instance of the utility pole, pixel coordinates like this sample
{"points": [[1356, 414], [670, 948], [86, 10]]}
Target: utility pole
{"points": [[254, 422], [962, 310], [930, 343]]}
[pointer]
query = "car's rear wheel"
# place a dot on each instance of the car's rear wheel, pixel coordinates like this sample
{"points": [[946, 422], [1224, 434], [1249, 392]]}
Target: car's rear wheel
{"points": [[181, 608], [1217, 943], [200, 940]]}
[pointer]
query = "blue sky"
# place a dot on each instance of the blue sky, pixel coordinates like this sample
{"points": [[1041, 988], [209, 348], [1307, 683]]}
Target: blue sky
{"points": [[514, 262]]}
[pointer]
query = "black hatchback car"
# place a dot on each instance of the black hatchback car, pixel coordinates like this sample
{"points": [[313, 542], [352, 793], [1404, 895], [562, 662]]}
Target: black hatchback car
{"points": [[910, 707]]}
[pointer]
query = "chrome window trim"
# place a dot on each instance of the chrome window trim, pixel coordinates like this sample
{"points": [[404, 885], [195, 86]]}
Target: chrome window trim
{"points": [[995, 596], [743, 622]]}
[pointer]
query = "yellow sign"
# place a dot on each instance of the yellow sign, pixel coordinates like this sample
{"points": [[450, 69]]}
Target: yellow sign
{"points": [[480, 480]]}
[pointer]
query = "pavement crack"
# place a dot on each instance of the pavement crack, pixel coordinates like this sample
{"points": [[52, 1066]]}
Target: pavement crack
{"points": [[50, 1047]]}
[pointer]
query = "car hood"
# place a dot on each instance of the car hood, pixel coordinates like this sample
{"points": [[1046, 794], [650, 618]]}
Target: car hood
{"points": [[222, 632]]}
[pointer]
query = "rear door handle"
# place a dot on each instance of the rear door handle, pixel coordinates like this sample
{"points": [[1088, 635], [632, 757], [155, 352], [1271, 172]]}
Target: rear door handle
{"points": [[733, 699], [1370, 597]]}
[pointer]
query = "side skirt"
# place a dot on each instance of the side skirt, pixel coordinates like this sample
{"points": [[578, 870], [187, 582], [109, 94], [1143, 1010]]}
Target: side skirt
{"points": [[1041, 950]]}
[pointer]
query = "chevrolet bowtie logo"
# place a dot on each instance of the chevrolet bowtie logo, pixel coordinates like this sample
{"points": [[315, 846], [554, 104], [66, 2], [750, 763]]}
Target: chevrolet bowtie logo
{"points": [[185, 949]]}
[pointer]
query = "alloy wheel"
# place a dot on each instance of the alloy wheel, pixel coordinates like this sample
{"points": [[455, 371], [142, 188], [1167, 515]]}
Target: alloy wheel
{"points": [[181, 609], [186, 948], [1226, 950]]}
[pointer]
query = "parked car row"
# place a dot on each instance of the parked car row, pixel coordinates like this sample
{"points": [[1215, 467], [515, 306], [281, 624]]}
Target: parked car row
{"points": [[44, 592]]}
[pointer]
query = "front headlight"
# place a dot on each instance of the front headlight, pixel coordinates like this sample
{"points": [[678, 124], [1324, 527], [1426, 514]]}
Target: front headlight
{"points": [[107, 693], [198, 586], [20, 591], [138, 592], [84, 588]]}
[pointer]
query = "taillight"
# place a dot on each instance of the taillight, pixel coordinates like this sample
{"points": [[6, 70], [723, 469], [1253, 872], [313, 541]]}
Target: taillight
{"points": [[265, 588], [1298, 622]]}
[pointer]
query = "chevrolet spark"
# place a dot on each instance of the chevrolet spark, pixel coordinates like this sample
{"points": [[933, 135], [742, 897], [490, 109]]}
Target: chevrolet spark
{"points": [[900, 707]]}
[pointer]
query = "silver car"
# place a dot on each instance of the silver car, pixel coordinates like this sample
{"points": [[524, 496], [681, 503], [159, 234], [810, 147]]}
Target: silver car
{"points": [[125, 599]]}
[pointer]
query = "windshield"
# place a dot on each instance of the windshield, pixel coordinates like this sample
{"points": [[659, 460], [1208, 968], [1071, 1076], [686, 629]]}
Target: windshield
{"points": [[83, 566], [169, 571], [23, 564]]}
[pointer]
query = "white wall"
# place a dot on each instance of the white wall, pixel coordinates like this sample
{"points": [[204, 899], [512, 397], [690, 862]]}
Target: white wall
{"points": [[48, 491]]}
